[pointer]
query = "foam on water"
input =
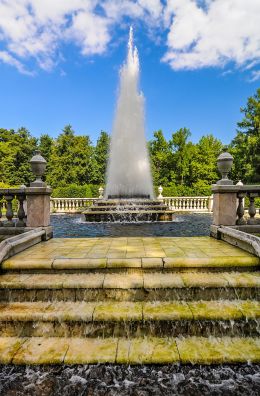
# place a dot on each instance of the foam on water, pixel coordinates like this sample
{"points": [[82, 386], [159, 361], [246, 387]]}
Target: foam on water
{"points": [[129, 173]]}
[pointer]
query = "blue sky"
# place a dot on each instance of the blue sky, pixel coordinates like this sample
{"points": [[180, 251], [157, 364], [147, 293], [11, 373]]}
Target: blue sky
{"points": [[189, 78]]}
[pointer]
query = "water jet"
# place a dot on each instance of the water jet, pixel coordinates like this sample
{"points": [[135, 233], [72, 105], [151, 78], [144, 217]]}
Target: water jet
{"points": [[129, 189]]}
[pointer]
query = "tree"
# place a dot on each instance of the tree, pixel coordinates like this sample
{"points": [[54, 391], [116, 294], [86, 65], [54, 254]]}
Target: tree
{"points": [[160, 154], [182, 155], [204, 162], [245, 147], [16, 149], [100, 158], [70, 159]]}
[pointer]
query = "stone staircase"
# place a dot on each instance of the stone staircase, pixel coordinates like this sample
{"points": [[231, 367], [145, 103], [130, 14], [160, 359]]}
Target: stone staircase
{"points": [[130, 310]]}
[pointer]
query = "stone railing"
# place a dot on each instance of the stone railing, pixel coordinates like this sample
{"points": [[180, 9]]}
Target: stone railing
{"points": [[179, 204], [9, 199], [229, 204], [189, 204], [25, 207], [251, 192], [70, 205]]}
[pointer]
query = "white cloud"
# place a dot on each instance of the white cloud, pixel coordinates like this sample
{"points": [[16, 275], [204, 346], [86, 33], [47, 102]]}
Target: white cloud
{"points": [[200, 33], [220, 32]]}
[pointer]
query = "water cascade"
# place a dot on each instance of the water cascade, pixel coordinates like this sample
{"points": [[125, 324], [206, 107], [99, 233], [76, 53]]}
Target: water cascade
{"points": [[129, 173]]}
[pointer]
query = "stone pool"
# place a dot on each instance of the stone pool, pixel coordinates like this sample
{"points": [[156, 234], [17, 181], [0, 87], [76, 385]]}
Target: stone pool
{"points": [[186, 225]]}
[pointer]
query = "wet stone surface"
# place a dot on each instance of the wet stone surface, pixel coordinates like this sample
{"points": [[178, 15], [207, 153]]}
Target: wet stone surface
{"points": [[73, 226], [117, 380]]}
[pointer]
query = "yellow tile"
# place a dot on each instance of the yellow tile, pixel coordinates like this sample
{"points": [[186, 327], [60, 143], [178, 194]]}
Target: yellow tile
{"points": [[91, 350], [162, 280], [244, 279], [123, 281], [81, 263], [90, 281], [204, 279], [8, 347], [39, 350]]}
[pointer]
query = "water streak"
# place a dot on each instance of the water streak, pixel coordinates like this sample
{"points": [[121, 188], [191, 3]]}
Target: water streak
{"points": [[129, 173]]}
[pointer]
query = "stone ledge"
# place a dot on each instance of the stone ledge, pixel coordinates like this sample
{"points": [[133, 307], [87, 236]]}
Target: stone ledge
{"points": [[235, 237], [129, 311], [150, 350], [134, 280]]}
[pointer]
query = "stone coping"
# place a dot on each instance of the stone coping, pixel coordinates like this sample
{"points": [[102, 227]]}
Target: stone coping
{"points": [[132, 279], [148, 350], [18, 243], [127, 311], [241, 239]]}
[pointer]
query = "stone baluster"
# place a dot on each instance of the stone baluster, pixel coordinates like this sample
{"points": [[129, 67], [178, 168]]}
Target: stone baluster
{"points": [[252, 209], [240, 209], [9, 210], [21, 212], [1, 207]]}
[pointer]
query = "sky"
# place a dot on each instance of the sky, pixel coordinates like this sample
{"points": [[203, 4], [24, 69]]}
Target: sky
{"points": [[60, 63]]}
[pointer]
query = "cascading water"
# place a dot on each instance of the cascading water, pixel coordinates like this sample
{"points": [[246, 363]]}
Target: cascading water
{"points": [[128, 173]]}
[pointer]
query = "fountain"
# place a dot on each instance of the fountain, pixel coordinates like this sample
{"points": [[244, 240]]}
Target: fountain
{"points": [[129, 189]]}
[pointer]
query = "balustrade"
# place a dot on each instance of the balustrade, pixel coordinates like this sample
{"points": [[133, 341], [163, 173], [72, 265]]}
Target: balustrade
{"points": [[11, 202], [251, 192], [70, 205], [189, 204]]}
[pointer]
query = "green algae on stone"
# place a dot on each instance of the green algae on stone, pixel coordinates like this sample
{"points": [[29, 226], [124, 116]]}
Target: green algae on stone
{"points": [[118, 311], [222, 309], [161, 310], [124, 262], [250, 308]]}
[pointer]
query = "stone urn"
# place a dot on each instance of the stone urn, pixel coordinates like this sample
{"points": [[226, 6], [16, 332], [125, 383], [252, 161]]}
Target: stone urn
{"points": [[224, 163], [101, 192], [38, 166], [160, 190]]}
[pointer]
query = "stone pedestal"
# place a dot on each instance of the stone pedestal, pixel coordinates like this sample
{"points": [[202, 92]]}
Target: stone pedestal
{"points": [[38, 206], [224, 205], [225, 209]]}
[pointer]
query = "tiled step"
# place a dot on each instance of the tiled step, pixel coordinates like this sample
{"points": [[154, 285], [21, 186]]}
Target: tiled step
{"points": [[80, 319], [167, 263], [130, 285], [200, 350]]}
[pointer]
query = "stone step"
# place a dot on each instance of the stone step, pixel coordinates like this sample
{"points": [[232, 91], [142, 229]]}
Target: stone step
{"points": [[130, 285], [248, 262], [124, 208], [149, 350], [105, 319]]}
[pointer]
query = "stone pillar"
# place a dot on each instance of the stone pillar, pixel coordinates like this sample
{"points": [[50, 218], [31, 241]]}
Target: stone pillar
{"points": [[224, 205], [38, 206]]}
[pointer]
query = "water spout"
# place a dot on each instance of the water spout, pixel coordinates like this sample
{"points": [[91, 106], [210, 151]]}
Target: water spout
{"points": [[128, 173]]}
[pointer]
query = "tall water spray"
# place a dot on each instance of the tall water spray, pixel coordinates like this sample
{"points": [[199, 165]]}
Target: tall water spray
{"points": [[129, 173]]}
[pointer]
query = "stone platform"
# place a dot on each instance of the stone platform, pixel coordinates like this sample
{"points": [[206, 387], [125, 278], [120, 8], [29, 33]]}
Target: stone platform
{"points": [[128, 210], [130, 300]]}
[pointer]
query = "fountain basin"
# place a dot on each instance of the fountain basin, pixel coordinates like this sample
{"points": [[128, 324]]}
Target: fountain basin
{"points": [[128, 210]]}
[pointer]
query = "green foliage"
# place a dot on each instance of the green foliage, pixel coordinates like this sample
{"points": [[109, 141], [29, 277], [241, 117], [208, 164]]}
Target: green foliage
{"points": [[199, 189], [72, 191], [16, 149], [245, 147]]}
